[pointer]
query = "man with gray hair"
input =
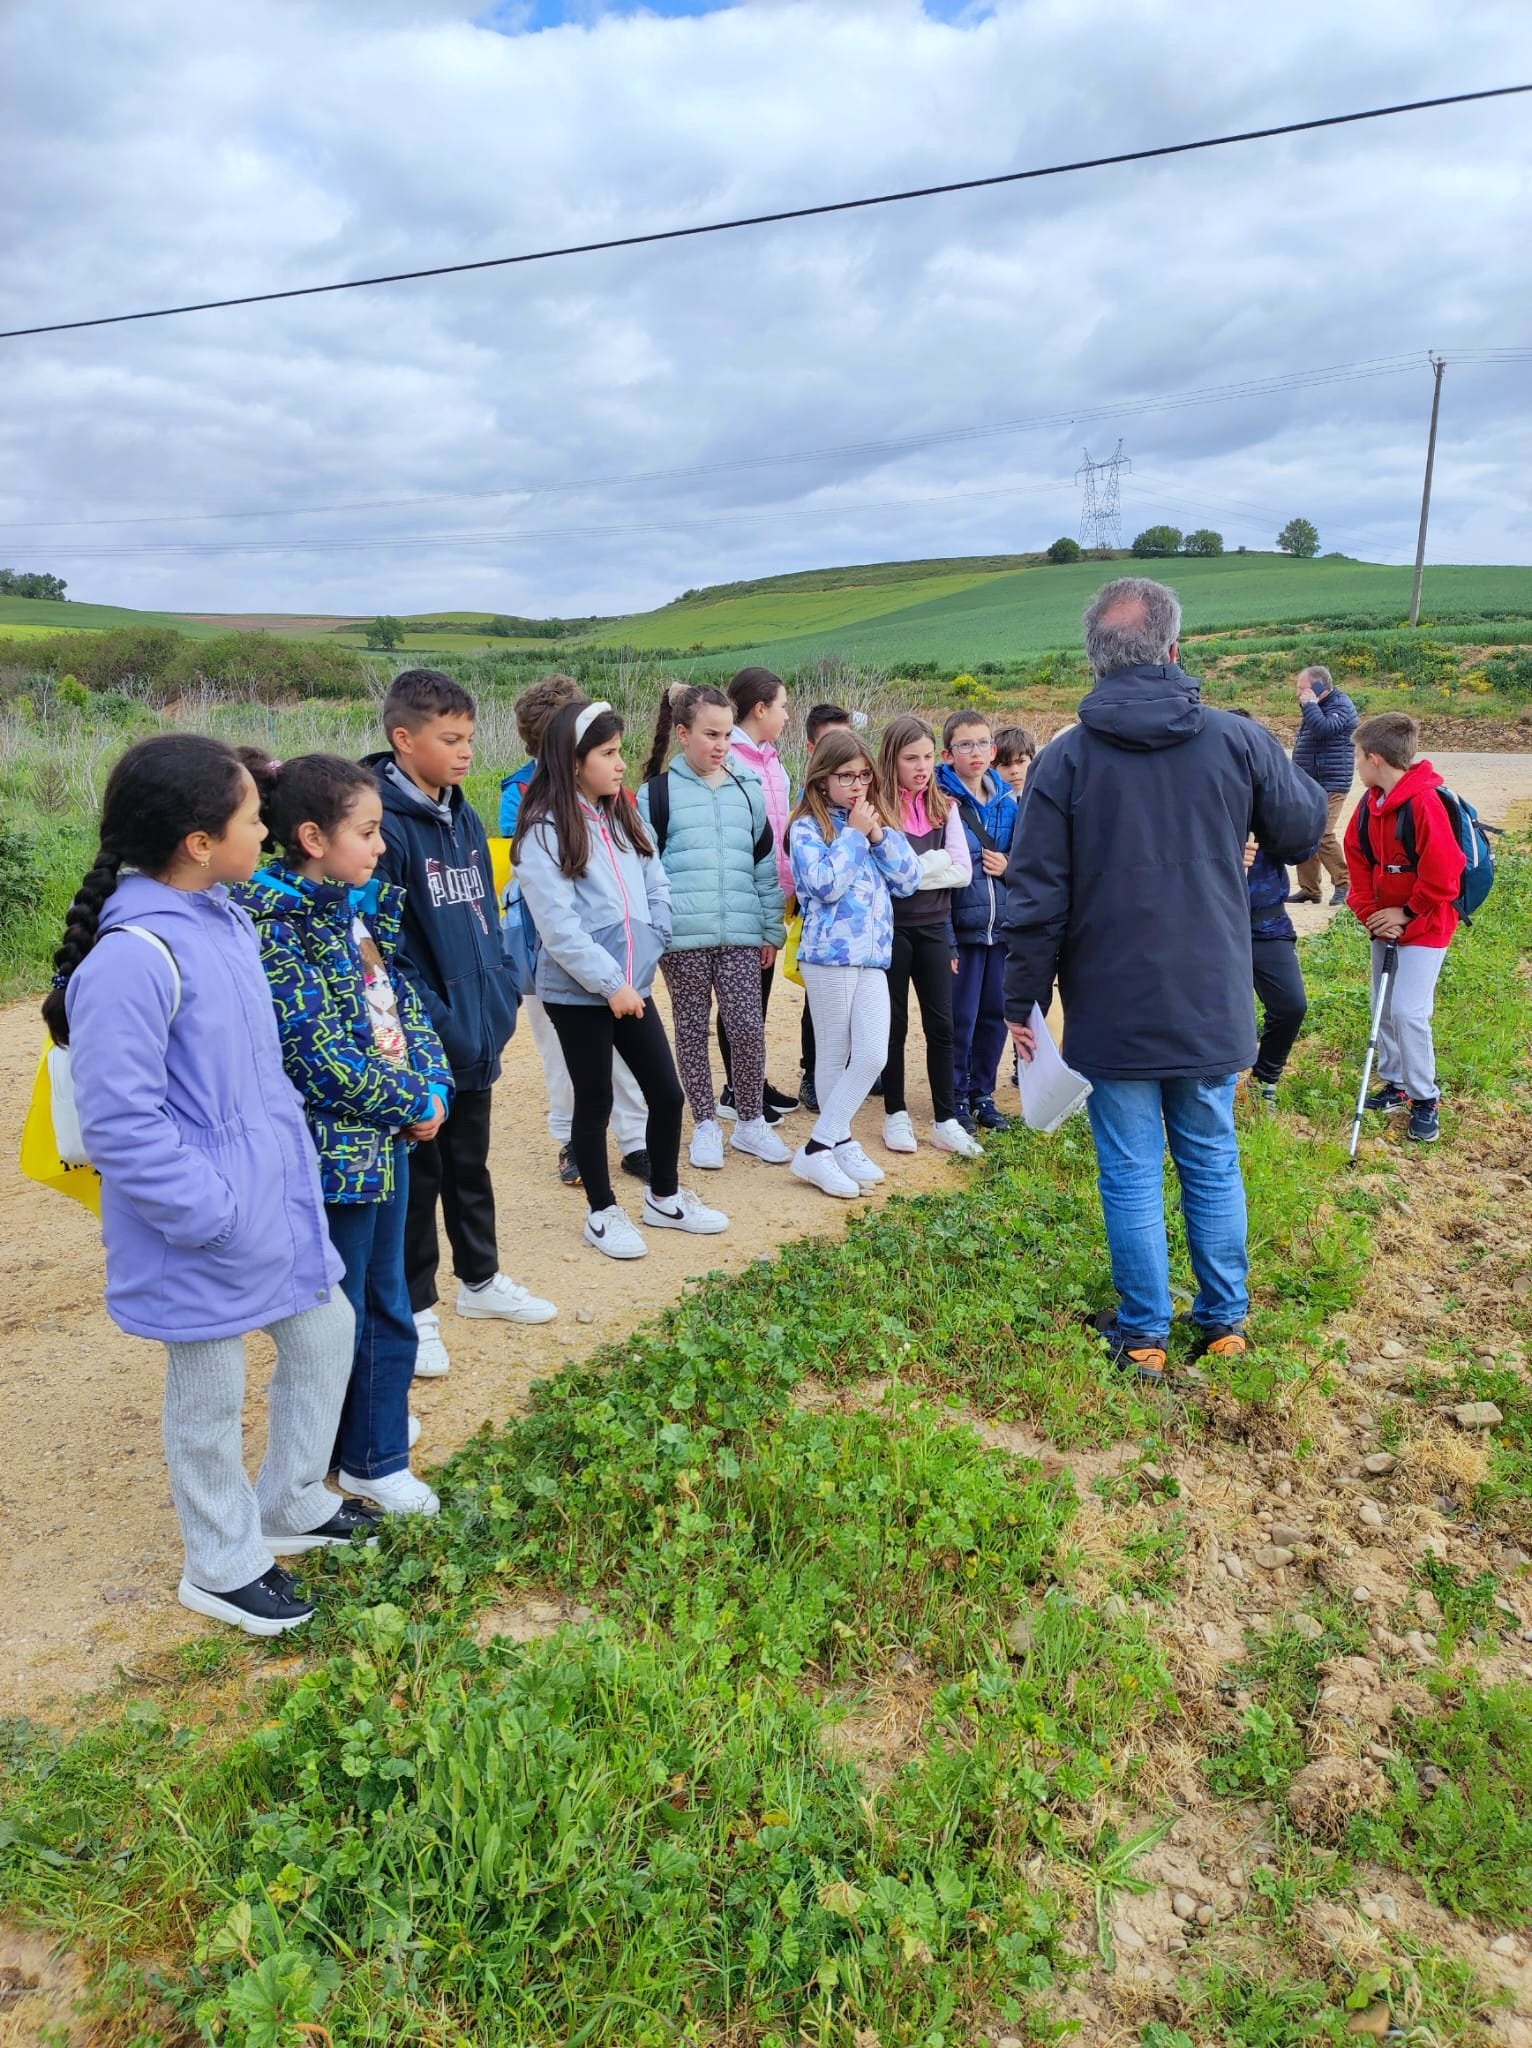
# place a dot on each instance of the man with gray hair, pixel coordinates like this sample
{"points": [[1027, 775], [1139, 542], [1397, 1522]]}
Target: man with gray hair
{"points": [[1126, 885], [1323, 751]]}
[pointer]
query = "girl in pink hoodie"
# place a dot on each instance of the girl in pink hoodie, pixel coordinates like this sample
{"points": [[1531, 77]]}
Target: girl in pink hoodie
{"points": [[760, 704]]}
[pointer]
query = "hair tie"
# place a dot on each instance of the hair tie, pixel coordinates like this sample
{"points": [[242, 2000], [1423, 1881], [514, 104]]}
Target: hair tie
{"points": [[60, 980], [588, 717]]}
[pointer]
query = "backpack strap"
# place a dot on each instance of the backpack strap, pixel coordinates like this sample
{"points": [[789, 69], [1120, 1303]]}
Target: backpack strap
{"points": [[153, 939], [658, 787], [764, 839], [976, 825]]}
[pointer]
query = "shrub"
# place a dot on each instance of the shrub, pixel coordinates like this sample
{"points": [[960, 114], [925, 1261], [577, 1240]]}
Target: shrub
{"points": [[159, 664], [1065, 550]]}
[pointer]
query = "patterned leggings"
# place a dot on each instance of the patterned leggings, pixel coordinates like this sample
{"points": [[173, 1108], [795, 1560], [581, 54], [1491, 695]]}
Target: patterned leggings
{"points": [[692, 977]]}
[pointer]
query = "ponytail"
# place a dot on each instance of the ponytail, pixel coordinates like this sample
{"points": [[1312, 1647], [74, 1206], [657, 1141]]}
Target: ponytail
{"points": [[679, 706], [752, 688]]}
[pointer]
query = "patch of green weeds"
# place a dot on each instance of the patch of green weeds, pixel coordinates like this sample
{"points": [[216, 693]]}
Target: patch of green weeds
{"points": [[1466, 1835], [1282, 1671], [1152, 1561], [1468, 1604]]}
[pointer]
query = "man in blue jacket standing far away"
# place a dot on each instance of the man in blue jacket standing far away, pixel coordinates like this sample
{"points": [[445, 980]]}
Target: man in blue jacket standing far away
{"points": [[1324, 751], [1126, 884]]}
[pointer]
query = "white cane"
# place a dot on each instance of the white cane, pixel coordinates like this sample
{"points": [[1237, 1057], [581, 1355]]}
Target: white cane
{"points": [[1390, 968]]}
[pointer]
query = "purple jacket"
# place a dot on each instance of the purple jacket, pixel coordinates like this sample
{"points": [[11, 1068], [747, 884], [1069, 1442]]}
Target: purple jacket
{"points": [[210, 1205]]}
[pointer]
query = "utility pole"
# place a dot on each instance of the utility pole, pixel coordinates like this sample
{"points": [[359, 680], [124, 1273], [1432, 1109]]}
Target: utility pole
{"points": [[1101, 519], [1438, 363]]}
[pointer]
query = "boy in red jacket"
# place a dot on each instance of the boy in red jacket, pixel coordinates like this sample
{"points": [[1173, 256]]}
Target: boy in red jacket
{"points": [[1412, 905]]}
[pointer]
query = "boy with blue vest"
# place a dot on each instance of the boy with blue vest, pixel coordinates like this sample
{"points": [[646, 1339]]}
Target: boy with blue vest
{"points": [[988, 810], [436, 849]]}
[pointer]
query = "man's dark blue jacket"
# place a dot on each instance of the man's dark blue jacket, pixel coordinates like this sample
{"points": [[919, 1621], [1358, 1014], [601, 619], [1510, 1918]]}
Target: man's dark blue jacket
{"points": [[1127, 877], [450, 945], [1323, 747]]}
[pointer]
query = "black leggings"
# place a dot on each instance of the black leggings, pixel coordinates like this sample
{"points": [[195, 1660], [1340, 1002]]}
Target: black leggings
{"points": [[768, 975], [1279, 984], [589, 1034], [923, 955]]}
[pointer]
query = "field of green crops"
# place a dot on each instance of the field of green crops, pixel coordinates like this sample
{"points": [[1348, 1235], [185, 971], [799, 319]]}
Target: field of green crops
{"points": [[30, 615]]}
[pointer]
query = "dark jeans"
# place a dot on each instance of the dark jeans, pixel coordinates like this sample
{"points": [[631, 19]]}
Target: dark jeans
{"points": [[589, 1034], [371, 1440], [978, 1018], [1284, 1000], [768, 975], [454, 1170], [922, 956]]}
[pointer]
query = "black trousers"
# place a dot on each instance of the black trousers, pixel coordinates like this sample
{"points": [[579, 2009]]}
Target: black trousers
{"points": [[453, 1169], [589, 1034], [768, 976], [923, 955], [1284, 1001], [806, 1041]]}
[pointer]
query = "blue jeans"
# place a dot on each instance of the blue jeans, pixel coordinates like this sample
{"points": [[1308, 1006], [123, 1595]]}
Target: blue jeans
{"points": [[978, 1018], [372, 1439], [1132, 1121]]}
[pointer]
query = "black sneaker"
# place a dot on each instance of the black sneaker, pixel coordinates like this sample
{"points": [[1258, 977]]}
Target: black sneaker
{"points": [[774, 1099], [637, 1164], [1303, 896], [1425, 1122], [354, 1521], [965, 1116], [268, 1606], [569, 1173], [1389, 1100], [985, 1115], [1146, 1355], [1222, 1340], [730, 1114], [808, 1095], [1341, 892]]}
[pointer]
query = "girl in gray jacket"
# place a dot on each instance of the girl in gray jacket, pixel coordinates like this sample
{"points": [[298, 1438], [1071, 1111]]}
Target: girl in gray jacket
{"points": [[708, 818], [601, 905]]}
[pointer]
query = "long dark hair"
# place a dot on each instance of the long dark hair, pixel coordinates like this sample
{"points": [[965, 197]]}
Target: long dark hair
{"points": [[310, 789], [679, 706], [553, 797], [159, 791], [753, 687]]}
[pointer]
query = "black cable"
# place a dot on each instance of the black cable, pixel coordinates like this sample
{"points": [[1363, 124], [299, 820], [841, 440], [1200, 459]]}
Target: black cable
{"points": [[758, 220]]}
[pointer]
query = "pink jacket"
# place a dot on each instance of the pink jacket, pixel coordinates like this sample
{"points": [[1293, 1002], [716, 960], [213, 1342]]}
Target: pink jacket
{"points": [[766, 763]]}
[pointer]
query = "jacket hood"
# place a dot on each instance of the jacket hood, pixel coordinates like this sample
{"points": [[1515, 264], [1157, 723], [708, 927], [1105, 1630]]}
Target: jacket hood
{"points": [[407, 798], [994, 789], [1415, 781], [277, 887], [1146, 708], [137, 897]]}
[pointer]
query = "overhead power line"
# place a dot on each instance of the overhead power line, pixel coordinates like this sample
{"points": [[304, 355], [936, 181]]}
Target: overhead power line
{"points": [[758, 220]]}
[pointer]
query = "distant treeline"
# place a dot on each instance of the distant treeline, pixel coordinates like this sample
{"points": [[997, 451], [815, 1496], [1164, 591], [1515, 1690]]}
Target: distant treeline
{"points": [[30, 583]]}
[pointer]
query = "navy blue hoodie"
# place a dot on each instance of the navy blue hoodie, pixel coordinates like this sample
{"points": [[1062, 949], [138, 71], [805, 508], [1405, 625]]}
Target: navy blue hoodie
{"points": [[1127, 877], [449, 945]]}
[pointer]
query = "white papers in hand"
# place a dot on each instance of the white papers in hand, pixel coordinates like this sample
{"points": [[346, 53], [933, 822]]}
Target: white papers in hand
{"points": [[1050, 1091]]}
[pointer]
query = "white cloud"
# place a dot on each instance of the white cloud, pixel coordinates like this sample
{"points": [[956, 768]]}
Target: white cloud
{"points": [[187, 152]]}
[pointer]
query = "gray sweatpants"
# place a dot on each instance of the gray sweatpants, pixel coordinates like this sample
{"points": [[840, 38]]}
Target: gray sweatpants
{"points": [[222, 1515], [1406, 1054]]}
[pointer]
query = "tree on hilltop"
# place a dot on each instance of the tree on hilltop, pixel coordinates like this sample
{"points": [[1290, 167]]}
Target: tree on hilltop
{"points": [[1065, 550], [1158, 540], [1299, 537], [30, 583], [1203, 542]]}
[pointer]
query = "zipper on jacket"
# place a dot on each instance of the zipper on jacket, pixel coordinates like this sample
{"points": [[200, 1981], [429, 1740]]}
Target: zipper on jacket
{"points": [[627, 908]]}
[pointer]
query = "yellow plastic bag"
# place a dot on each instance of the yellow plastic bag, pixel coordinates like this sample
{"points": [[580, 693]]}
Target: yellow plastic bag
{"points": [[40, 1160], [500, 864], [790, 949]]}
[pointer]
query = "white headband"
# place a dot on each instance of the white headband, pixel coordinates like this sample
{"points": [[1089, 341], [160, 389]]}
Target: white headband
{"points": [[588, 717]]}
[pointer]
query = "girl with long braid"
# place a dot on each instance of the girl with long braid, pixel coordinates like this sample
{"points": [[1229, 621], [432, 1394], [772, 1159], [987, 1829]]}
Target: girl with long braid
{"points": [[211, 1209]]}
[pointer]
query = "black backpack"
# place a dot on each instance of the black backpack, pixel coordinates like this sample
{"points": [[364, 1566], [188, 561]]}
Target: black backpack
{"points": [[658, 787]]}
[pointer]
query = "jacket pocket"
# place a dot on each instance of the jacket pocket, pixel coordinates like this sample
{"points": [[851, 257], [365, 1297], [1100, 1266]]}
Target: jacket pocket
{"points": [[646, 951]]}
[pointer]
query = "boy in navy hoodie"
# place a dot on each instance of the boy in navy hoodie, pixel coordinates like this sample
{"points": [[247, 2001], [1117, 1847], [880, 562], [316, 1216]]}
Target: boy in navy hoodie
{"points": [[437, 851], [988, 810]]}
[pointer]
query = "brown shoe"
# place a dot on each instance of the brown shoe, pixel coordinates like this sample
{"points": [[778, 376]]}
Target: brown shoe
{"points": [[1233, 1344], [1149, 1364]]}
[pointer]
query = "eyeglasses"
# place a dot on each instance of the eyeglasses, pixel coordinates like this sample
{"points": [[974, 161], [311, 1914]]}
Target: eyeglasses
{"points": [[860, 777], [970, 746]]}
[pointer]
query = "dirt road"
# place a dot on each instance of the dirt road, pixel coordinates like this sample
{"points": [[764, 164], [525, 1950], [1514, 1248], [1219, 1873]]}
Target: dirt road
{"points": [[88, 1574]]}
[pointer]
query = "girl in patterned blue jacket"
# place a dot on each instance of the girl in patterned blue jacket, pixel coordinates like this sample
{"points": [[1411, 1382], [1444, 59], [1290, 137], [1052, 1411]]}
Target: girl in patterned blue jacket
{"points": [[358, 1047], [849, 861]]}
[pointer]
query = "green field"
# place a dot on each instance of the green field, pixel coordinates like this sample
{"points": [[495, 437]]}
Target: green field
{"points": [[36, 615]]}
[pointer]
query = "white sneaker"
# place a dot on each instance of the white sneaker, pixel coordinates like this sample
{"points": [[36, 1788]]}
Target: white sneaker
{"points": [[431, 1360], [400, 1493], [503, 1300], [899, 1132], [413, 1434], [951, 1137], [611, 1231], [853, 1161], [682, 1211], [820, 1171], [759, 1140], [707, 1146]]}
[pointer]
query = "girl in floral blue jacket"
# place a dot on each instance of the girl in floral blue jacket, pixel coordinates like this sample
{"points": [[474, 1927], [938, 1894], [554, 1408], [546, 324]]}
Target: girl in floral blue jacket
{"points": [[358, 1047], [849, 861]]}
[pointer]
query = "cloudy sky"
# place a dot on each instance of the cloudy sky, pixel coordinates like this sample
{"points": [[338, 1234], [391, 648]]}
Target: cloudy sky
{"points": [[598, 433]]}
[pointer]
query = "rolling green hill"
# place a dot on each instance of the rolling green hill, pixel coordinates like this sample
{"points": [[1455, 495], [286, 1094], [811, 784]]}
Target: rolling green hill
{"points": [[29, 616]]}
